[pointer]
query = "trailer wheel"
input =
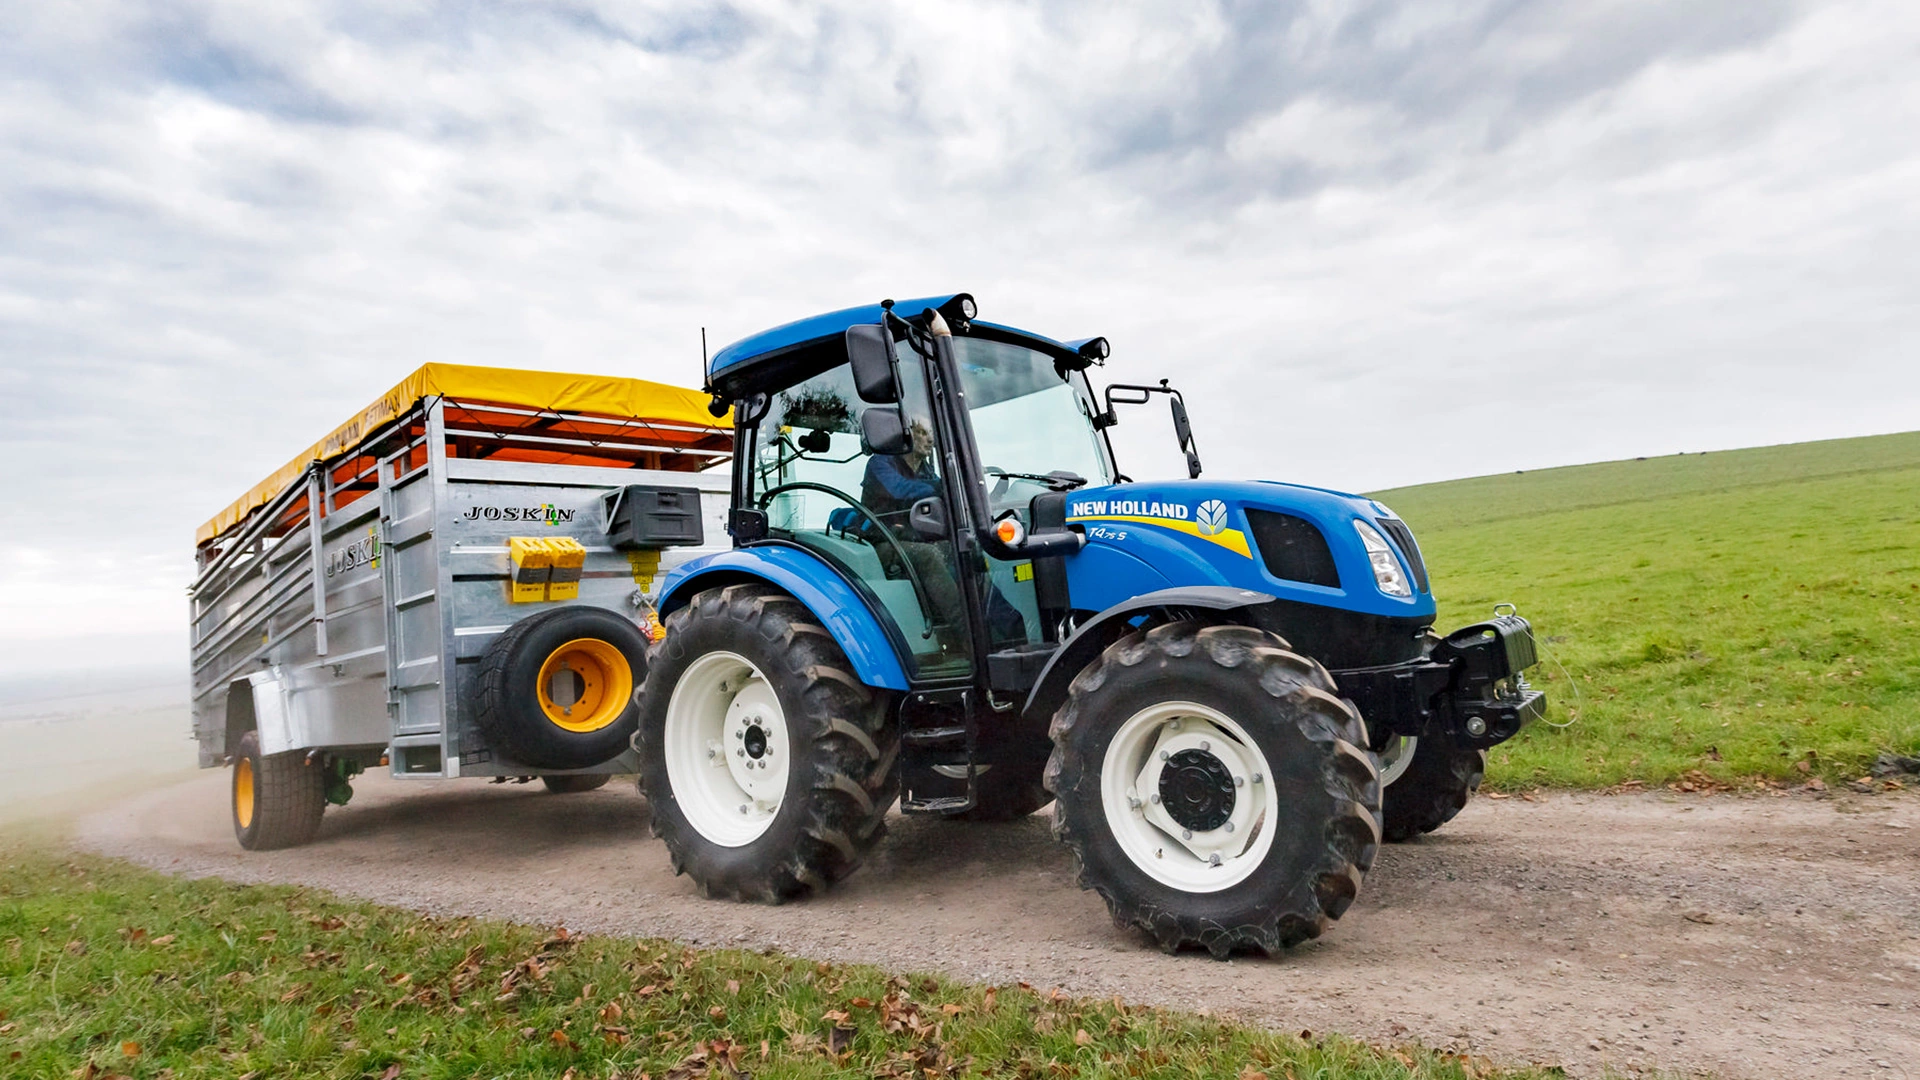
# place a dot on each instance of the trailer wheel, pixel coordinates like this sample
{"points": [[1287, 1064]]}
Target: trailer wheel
{"points": [[1213, 789], [1434, 784], [768, 766], [555, 691], [277, 798], [574, 783]]}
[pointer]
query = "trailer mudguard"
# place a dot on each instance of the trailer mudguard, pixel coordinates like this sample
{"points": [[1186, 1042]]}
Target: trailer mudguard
{"points": [[1094, 635], [808, 578]]}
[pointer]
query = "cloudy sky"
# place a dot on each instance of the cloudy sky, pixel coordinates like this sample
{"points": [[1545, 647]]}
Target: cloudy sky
{"points": [[1376, 243]]}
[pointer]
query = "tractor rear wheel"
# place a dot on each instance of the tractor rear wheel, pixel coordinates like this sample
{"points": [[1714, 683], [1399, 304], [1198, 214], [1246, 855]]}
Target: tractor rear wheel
{"points": [[1433, 785], [1213, 789], [769, 767]]}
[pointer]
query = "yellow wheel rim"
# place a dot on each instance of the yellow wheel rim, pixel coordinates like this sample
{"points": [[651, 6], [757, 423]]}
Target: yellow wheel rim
{"points": [[585, 685], [243, 792]]}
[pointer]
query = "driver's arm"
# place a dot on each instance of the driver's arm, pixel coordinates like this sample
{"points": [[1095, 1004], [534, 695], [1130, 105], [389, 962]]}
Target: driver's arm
{"points": [[891, 477]]}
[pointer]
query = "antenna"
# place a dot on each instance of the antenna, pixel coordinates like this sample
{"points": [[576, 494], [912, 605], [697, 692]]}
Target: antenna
{"points": [[703, 350]]}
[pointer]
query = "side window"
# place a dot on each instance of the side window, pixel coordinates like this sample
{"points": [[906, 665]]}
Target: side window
{"points": [[824, 489]]}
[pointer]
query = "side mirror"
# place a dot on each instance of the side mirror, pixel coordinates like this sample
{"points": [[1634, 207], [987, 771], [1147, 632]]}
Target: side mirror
{"points": [[928, 519], [870, 353], [884, 430], [1183, 430]]}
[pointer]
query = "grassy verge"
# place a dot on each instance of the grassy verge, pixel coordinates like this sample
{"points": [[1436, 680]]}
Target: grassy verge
{"points": [[106, 970], [1726, 617]]}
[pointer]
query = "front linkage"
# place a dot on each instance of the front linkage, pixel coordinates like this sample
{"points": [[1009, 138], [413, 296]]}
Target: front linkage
{"points": [[1469, 686]]}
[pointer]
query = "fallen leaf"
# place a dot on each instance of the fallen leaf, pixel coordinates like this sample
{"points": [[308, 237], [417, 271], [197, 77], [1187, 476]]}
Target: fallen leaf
{"points": [[164, 939], [838, 1016], [861, 1003], [1081, 1038], [1498, 795], [733, 986], [718, 1012], [1703, 917], [393, 1070], [1251, 1073], [130, 1048], [840, 1038]]}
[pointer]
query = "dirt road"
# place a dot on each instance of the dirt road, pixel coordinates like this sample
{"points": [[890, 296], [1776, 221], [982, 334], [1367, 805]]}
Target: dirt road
{"points": [[1746, 937]]}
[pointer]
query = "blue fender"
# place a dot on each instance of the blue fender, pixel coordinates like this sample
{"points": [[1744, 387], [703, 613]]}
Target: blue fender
{"points": [[1093, 636], [842, 610]]}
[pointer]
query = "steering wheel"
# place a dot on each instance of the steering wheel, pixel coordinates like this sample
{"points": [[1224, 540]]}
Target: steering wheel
{"points": [[913, 576]]}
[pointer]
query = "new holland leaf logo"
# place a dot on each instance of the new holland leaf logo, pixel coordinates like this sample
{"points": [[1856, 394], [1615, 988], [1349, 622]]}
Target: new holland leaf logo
{"points": [[1211, 516]]}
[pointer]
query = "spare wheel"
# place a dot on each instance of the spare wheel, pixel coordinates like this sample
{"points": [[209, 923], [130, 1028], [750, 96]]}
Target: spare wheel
{"points": [[556, 690]]}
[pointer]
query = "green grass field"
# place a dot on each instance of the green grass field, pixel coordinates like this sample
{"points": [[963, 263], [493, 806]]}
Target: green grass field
{"points": [[108, 970], [1738, 615]]}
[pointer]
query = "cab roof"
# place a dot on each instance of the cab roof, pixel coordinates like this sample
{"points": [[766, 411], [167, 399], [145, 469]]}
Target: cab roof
{"points": [[737, 363]]}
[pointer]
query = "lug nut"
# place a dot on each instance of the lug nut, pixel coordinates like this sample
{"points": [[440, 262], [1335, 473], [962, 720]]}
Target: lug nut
{"points": [[1133, 803], [1239, 781], [1257, 777], [1213, 859], [739, 753], [1229, 826], [1163, 755], [1186, 834], [1476, 726], [1205, 745], [1155, 797], [743, 808]]}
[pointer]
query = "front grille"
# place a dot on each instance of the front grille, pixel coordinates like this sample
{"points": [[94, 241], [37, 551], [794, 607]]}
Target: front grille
{"points": [[1403, 537], [1293, 548]]}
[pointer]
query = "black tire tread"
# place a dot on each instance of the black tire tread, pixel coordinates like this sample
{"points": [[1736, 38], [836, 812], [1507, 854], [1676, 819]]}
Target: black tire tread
{"points": [[289, 797], [1351, 834], [1437, 785], [854, 781], [574, 783]]}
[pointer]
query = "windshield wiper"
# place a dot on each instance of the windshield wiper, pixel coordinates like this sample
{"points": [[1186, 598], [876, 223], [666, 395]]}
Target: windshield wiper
{"points": [[1058, 480]]}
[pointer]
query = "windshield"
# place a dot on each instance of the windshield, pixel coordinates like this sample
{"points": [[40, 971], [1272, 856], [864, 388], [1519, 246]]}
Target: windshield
{"points": [[1028, 418]]}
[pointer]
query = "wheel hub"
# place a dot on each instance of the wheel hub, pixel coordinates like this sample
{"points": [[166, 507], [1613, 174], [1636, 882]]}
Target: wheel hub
{"points": [[1197, 790], [754, 741]]}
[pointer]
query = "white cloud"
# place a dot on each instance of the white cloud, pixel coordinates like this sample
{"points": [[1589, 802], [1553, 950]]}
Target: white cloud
{"points": [[1362, 237]]}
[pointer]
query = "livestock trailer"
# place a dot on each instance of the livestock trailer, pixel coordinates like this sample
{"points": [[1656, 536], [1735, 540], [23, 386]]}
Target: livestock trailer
{"points": [[458, 581]]}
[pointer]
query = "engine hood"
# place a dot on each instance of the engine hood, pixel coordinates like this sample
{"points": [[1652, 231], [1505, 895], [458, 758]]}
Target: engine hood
{"points": [[1193, 532]]}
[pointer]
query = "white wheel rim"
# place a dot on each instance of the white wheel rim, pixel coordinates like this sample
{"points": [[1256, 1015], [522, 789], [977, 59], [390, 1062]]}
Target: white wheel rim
{"points": [[727, 749], [1393, 761], [1188, 860]]}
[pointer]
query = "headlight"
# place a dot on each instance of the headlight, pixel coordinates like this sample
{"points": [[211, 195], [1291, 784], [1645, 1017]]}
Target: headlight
{"points": [[1386, 567]]}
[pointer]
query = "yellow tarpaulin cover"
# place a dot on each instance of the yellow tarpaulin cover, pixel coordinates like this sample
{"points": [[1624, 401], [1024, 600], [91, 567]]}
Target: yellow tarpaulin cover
{"points": [[632, 399]]}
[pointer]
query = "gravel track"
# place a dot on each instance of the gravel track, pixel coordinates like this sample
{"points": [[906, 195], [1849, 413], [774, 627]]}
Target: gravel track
{"points": [[1741, 936]]}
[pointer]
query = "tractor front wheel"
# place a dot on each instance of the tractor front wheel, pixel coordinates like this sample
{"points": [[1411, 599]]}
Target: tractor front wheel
{"points": [[1213, 789], [767, 764], [1432, 781]]}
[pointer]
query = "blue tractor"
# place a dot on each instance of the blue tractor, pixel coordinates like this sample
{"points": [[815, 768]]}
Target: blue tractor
{"points": [[942, 591]]}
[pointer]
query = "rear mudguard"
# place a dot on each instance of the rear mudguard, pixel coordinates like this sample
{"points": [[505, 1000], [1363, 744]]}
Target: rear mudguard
{"points": [[808, 579], [1090, 638]]}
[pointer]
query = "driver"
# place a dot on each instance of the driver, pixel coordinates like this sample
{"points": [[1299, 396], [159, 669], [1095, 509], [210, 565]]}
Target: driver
{"points": [[892, 484]]}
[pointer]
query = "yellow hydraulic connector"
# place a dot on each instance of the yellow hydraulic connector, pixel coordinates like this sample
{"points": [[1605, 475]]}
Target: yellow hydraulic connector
{"points": [[569, 556], [532, 568]]}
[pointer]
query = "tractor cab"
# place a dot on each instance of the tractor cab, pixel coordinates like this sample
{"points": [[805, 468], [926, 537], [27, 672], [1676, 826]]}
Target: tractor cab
{"points": [[943, 591]]}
